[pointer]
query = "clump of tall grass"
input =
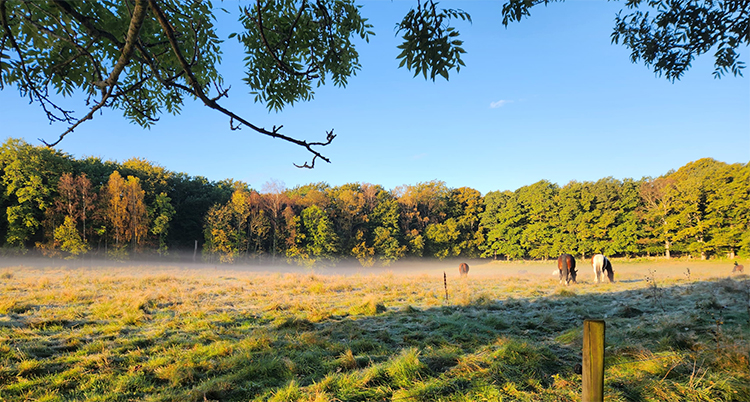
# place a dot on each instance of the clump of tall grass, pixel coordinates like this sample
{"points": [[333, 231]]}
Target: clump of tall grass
{"points": [[369, 307]]}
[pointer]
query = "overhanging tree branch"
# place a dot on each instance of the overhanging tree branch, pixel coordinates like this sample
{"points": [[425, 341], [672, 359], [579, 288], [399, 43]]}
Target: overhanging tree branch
{"points": [[197, 90], [108, 85]]}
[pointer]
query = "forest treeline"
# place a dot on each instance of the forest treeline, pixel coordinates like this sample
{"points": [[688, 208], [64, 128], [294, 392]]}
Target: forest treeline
{"points": [[62, 206]]}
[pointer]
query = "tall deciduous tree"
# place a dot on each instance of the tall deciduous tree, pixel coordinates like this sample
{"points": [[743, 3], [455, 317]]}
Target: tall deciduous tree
{"points": [[504, 220], [138, 224], [116, 207], [466, 205], [259, 226], [727, 208], [538, 201], [692, 185], [387, 235], [319, 241], [29, 175], [275, 201], [219, 233], [163, 212], [76, 199], [126, 210], [658, 210]]}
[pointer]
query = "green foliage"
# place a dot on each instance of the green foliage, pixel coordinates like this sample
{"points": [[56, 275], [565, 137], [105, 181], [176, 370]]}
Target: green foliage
{"points": [[430, 44], [669, 35], [29, 176], [319, 241], [503, 220], [441, 239], [68, 239], [163, 212], [702, 210], [291, 46], [51, 57]]}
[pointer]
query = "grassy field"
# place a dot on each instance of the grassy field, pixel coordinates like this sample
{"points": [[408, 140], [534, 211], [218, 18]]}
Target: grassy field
{"points": [[677, 330]]}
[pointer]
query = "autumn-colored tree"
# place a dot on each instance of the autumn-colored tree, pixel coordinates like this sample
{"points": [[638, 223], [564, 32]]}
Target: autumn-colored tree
{"points": [[240, 209], [362, 252], [116, 207], [466, 205], [275, 201], [137, 217], [421, 205], [349, 214], [126, 210], [76, 199], [258, 225], [218, 233]]}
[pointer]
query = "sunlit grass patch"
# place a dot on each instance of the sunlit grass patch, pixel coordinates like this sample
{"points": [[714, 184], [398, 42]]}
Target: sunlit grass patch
{"points": [[119, 334], [371, 306]]}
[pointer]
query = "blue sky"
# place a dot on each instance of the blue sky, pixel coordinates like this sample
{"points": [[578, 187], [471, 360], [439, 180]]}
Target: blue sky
{"points": [[548, 98]]}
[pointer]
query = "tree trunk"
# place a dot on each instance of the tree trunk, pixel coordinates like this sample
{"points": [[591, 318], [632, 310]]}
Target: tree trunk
{"points": [[666, 248]]}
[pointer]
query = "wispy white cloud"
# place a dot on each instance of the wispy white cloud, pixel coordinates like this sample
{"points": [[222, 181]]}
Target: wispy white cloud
{"points": [[500, 103]]}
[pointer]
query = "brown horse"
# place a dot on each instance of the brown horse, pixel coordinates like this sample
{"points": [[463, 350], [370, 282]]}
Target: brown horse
{"points": [[463, 269], [566, 265], [738, 268]]}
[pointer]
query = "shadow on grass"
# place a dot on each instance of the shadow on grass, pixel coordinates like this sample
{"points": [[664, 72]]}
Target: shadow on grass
{"points": [[685, 341]]}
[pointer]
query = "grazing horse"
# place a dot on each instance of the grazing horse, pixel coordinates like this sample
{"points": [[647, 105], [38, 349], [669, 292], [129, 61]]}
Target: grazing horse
{"points": [[602, 264], [566, 265], [463, 269], [738, 268]]}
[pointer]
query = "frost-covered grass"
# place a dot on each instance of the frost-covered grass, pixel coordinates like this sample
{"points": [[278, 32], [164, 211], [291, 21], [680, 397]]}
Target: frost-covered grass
{"points": [[507, 332]]}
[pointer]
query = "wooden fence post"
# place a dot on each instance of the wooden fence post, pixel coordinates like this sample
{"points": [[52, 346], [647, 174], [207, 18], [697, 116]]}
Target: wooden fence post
{"points": [[593, 361]]}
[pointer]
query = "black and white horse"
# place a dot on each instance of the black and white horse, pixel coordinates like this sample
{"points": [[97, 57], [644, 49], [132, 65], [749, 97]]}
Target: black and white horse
{"points": [[566, 265], [601, 265]]}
